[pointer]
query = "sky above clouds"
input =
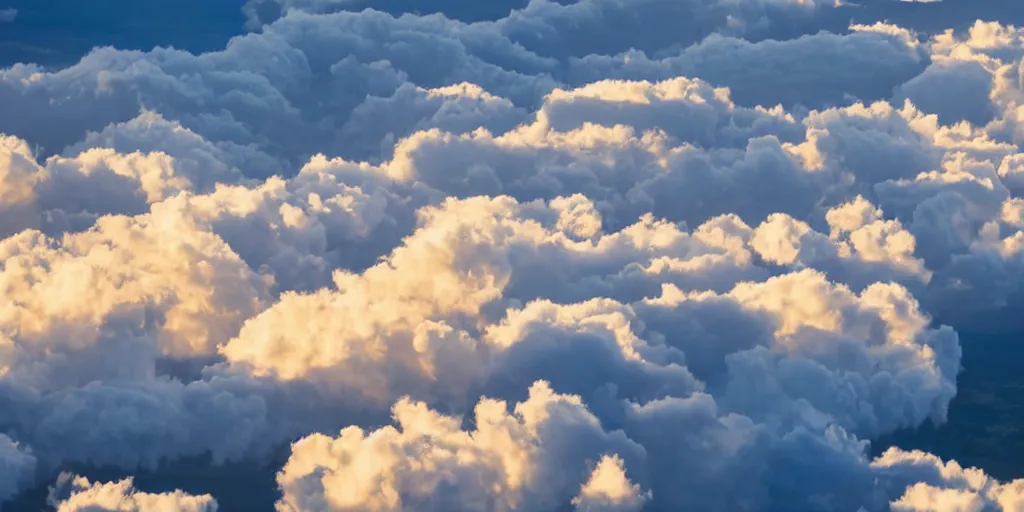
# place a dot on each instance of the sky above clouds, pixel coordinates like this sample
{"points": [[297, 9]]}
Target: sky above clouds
{"points": [[603, 255]]}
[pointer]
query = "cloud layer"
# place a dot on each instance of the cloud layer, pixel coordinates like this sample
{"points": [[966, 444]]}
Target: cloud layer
{"points": [[542, 261]]}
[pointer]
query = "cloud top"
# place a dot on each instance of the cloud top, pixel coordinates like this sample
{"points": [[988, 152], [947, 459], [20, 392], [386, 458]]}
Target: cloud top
{"points": [[540, 261]]}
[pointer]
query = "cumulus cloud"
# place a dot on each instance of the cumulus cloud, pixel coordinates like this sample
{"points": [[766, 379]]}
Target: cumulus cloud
{"points": [[542, 261], [771, 373], [136, 271], [17, 468], [523, 460], [77, 494], [573, 27], [609, 489], [344, 82], [935, 485]]}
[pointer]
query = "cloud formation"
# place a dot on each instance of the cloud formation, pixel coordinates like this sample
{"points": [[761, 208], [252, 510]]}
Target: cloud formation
{"points": [[77, 494], [17, 468], [537, 262]]}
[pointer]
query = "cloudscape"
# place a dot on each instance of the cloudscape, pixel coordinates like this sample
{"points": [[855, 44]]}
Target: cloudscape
{"points": [[593, 255]]}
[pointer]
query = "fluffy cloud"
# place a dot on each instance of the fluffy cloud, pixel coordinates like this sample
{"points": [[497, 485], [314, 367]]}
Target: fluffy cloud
{"points": [[572, 28], [17, 468], [750, 68], [523, 460], [347, 83], [149, 275], [940, 486], [543, 261], [423, 338], [74, 493], [608, 489]]}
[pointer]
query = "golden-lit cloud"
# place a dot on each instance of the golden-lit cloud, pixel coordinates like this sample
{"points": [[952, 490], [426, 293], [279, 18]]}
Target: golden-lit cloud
{"points": [[534, 263]]}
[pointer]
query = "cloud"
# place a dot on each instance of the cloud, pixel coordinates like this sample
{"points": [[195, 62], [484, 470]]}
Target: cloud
{"points": [[8, 15], [571, 28], [749, 69], [347, 83], [17, 468], [617, 351], [609, 489], [74, 493], [523, 460], [940, 485], [135, 271], [535, 262]]}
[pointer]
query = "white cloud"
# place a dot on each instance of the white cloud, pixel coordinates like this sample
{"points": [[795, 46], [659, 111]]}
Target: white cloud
{"points": [[939, 486], [609, 489], [77, 494], [703, 282], [319, 77], [524, 460]]}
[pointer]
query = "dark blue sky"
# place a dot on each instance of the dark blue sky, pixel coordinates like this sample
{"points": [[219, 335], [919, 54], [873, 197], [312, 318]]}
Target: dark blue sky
{"points": [[60, 31]]}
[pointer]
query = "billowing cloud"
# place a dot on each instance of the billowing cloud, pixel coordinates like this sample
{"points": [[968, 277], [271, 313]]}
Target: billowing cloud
{"points": [[343, 83], [17, 468], [573, 28], [934, 485], [627, 359], [608, 489], [77, 494], [523, 460], [542, 261]]}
